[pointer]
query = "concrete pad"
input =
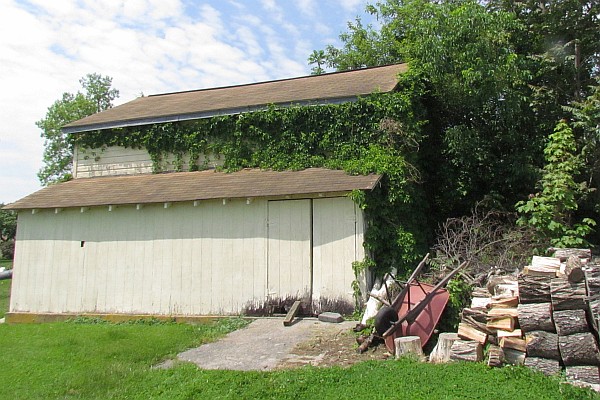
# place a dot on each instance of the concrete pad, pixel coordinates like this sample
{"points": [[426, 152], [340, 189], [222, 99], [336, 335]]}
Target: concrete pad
{"points": [[262, 345]]}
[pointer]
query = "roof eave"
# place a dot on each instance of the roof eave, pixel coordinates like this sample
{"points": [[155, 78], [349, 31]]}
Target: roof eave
{"points": [[200, 115]]}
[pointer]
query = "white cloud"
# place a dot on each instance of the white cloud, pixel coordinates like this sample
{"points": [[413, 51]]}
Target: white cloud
{"points": [[307, 7]]}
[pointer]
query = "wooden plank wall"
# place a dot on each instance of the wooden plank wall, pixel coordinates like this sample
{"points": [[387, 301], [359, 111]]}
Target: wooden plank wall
{"points": [[115, 160], [181, 260]]}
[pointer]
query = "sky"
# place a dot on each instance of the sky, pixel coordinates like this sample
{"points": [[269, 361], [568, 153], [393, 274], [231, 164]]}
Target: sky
{"points": [[147, 47]]}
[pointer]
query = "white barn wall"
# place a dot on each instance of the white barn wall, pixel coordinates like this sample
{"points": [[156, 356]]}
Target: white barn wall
{"points": [[117, 160], [184, 259]]}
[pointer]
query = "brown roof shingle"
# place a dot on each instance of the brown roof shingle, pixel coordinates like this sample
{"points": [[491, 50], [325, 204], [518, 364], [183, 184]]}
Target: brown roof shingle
{"points": [[333, 87], [188, 186]]}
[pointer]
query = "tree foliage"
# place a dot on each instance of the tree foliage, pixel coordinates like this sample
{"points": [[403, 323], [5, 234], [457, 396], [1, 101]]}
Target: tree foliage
{"points": [[8, 224], [490, 77], [551, 210], [58, 148]]}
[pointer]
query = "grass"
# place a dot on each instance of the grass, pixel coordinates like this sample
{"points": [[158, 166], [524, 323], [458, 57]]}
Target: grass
{"points": [[4, 288], [107, 361]]}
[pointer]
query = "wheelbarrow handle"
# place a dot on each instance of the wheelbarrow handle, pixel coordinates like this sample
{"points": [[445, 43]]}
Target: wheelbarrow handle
{"points": [[400, 298]]}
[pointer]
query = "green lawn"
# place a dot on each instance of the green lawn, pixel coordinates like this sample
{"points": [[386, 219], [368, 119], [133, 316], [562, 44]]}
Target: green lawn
{"points": [[107, 361], [4, 296], [5, 263]]}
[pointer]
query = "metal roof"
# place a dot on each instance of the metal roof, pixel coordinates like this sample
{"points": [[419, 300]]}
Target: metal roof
{"points": [[315, 89], [189, 186]]}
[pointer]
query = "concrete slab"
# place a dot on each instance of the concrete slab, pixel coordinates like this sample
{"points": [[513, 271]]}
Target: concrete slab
{"points": [[262, 345]]}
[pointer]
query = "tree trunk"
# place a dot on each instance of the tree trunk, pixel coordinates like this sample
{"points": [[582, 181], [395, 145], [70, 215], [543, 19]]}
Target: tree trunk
{"points": [[466, 350], [583, 373], [579, 349], [407, 345], [535, 317], [567, 295], [544, 365], [441, 351], [534, 289], [568, 322], [542, 344], [573, 269]]}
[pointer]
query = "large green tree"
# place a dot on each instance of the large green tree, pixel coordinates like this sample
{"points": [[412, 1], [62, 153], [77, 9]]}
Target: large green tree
{"points": [[97, 96], [492, 77]]}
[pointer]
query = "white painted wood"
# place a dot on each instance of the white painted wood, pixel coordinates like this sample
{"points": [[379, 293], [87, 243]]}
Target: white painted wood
{"points": [[289, 249], [335, 248], [191, 260], [116, 160]]}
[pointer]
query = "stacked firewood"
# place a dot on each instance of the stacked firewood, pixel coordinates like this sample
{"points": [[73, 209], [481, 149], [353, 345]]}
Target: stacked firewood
{"points": [[547, 318]]}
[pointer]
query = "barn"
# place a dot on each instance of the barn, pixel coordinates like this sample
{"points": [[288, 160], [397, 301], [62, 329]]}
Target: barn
{"points": [[120, 239]]}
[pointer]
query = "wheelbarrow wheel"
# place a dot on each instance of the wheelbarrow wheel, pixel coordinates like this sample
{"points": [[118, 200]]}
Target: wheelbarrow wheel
{"points": [[385, 318]]}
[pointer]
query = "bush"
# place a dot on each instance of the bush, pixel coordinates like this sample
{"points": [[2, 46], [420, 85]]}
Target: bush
{"points": [[7, 249]]}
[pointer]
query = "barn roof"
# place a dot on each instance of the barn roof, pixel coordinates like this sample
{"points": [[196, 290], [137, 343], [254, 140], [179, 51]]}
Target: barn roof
{"points": [[315, 89], [189, 186]]}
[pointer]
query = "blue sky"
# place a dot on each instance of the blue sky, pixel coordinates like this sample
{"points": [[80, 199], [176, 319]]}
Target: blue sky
{"points": [[146, 46]]}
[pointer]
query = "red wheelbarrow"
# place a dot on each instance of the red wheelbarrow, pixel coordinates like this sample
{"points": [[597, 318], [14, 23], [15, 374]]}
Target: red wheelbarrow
{"points": [[416, 310]]}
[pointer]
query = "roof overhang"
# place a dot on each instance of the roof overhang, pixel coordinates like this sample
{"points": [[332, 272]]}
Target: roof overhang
{"points": [[192, 186], [331, 88]]}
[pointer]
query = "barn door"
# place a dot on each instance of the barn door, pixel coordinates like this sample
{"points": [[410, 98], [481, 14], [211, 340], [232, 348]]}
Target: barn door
{"points": [[335, 248], [289, 259]]}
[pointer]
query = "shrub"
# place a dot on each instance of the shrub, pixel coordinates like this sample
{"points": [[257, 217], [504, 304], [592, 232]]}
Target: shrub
{"points": [[7, 249]]}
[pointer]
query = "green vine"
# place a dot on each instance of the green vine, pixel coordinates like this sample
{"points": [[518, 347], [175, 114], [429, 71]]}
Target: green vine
{"points": [[379, 134]]}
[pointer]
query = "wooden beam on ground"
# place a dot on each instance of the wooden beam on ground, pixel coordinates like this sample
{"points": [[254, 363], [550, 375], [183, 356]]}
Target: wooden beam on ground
{"points": [[292, 313]]}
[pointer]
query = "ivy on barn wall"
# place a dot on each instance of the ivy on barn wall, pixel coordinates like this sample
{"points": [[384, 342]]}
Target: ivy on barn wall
{"points": [[379, 133]]}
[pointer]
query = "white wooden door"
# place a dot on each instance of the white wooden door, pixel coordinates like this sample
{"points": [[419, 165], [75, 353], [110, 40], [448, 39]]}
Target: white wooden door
{"points": [[289, 249], [335, 248]]}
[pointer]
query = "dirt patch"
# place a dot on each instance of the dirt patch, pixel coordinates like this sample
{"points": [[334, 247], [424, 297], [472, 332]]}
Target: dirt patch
{"points": [[326, 349]]}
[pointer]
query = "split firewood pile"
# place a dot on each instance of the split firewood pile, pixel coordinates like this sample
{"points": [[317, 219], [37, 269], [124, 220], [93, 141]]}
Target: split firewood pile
{"points": [[546, 318]]}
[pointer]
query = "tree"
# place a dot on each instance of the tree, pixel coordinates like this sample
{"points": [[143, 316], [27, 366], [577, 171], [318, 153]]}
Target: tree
{"points": [[58, 148], [8, 231], [466, 74], [551, 210], [317, 57]]}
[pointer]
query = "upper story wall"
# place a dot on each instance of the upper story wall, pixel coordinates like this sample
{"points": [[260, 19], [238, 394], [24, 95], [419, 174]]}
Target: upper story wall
{"points": [[116, 160]]}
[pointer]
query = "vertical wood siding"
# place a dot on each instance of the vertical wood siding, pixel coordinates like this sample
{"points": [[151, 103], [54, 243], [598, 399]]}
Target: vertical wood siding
{"points": [[115, 160], [184, 259]]}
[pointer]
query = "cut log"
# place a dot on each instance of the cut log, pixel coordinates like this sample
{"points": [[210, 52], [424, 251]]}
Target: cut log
{"points": [[513, 343], [468, 332], [573, 269], [466, 350], [542, 344], [564, 254], [480, 302], [495, 356], [441, 351], [583, 373], [579, 349], [517, 333], [505, 302], [546, 262], [407, 346], [535, 317], [514, 357], [568, 322], [503, 323], [544, 365], [502, 312], [540, 271], [534, 289], [567, 295], [477, 314], [498, 284]]}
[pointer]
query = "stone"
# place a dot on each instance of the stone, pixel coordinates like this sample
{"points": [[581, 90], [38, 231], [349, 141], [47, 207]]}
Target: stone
{"points": [[332, 317]]}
